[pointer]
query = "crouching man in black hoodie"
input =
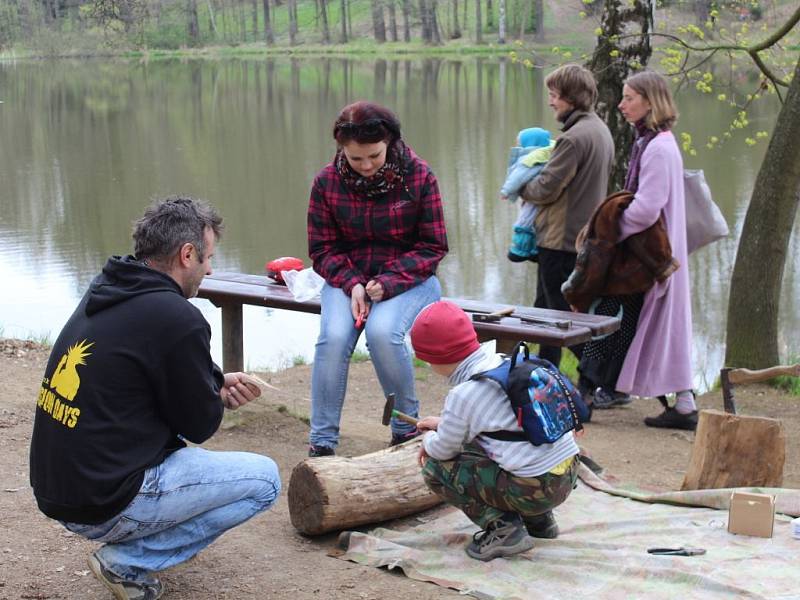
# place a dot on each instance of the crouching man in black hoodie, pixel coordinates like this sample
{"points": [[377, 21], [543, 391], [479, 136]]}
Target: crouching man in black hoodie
{"points": [[129, 379]]}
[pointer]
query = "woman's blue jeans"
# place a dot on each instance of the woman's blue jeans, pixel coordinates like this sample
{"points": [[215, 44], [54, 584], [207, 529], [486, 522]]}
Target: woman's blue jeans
{"points": [[386, 329], [184, 504]]}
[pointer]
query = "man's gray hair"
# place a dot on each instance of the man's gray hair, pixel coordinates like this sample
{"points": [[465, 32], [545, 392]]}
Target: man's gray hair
{"points": [[171, 222]]}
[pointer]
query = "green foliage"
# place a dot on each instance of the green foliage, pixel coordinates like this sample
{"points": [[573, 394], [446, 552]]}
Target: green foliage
{"points": [[285, 410], [359, 356], [42, 338], [120, 26], [298, 361], [788, 383], [569, 363]]}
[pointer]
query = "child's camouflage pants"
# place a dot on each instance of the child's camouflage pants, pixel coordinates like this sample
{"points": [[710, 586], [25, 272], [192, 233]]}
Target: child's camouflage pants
{"points": [[484, 492]]}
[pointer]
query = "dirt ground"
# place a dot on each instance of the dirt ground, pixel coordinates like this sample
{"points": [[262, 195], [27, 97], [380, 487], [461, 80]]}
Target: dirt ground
{"points": [[266, 558]]}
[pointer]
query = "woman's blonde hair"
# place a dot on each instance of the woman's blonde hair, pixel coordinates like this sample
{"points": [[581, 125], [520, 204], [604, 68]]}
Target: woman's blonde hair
{"points": [[655, 89]]}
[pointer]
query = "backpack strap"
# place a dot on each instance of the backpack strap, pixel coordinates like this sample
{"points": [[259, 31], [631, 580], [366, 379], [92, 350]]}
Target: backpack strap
{"points": [[499, 375], [507, 436]]}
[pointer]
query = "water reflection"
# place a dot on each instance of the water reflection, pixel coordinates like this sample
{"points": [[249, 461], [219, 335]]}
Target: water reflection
{"points": [[86, 144]]}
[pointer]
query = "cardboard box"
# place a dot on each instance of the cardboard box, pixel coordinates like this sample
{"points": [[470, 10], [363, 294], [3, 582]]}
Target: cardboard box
{"points": [[751, 514]]}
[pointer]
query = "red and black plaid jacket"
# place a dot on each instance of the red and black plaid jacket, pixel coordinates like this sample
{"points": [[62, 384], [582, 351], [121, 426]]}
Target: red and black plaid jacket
{"points": [[396, 239]]}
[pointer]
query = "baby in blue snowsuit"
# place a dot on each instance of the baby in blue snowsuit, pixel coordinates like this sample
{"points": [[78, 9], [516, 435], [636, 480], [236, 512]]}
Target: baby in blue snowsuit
{"points": [[525, 162]]}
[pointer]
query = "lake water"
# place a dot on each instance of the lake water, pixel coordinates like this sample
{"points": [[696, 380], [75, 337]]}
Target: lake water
{"points": [[86, 144]]}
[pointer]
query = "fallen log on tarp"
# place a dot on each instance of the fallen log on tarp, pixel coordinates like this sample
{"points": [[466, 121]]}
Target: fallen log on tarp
{"points": [[333, 492]]}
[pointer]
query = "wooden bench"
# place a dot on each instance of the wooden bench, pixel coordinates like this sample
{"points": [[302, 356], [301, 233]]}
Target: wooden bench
{"points": [[230, 291]]}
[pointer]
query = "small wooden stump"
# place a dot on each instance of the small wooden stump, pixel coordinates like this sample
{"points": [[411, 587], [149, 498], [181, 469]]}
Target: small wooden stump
{"points": [[334, 493], [736, 451]]}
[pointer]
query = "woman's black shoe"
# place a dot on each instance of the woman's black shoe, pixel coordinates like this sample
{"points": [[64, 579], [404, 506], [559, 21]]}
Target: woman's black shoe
{"points": [[672, 419]]}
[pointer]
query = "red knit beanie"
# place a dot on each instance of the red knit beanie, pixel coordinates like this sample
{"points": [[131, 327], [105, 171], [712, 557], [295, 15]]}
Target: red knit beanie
{"points": [[443, 334]]}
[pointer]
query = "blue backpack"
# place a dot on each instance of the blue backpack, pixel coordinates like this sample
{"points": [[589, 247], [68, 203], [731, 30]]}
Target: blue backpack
{"points": [[546, 403]]}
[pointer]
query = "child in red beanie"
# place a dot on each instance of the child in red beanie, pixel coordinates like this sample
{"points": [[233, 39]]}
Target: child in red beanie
{"points": [[507, 488]]}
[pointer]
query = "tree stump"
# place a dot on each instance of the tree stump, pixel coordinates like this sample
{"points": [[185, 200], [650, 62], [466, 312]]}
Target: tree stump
{"points": [[334, 493], [736, 451]]}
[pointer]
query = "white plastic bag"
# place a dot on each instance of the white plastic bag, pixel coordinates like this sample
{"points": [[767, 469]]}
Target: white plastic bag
{"points": [[304, 285]]}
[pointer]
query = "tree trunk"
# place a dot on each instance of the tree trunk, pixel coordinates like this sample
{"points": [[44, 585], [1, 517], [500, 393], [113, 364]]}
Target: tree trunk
{"points": [[538, 16], [323, 12], [489, 14], [702, 8], [735, 451], [269, 35], [378, 26], [291, 8], [254, 17], [390, 8], [436, 37], [501, 22], [611, 72], [225, 26], [478, 23], [752, 337], [456, 34], [524, 19], [406, 20], [242, 22], [211, 20], [334, 493], [343, 14], [425, 22], [192, 23]]}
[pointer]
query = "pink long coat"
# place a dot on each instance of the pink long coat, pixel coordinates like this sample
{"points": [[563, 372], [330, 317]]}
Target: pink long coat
{"points": [[659, 360]]}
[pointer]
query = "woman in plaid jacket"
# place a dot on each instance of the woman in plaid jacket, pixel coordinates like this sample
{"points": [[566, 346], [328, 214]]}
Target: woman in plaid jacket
{"points": [[376, 234]]}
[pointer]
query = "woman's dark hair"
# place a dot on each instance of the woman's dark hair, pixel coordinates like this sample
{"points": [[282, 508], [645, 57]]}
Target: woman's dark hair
{"points": [[366, 123]]}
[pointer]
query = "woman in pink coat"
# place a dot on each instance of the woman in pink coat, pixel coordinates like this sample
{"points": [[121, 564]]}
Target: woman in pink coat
{"points": [[659, 360], [651, 354]]}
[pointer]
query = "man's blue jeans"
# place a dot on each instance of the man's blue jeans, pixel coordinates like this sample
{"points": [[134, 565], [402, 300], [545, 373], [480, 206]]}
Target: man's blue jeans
{"points": [[386, 328], [184, 504]]}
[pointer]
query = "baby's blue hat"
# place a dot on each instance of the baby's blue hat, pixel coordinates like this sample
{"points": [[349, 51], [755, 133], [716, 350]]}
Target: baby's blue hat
{"points": [[534, 136]]}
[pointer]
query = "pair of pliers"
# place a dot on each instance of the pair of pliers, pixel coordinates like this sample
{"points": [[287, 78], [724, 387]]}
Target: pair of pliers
{"points": [[683, 551]]}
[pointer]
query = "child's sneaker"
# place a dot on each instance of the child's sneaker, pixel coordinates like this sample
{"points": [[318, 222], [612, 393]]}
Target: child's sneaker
{"points": [[502, 537], [542, 526], [523, 245]]}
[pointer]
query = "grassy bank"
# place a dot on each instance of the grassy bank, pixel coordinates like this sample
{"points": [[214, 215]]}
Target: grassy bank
{"points": [[357, 49]]}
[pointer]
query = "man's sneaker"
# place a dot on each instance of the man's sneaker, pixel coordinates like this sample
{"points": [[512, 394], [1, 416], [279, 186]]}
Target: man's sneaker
{"points": [[603, 399], [672, 419], [542, 526], [316, 451], [500, 538], [122, 588], [400, 438]]}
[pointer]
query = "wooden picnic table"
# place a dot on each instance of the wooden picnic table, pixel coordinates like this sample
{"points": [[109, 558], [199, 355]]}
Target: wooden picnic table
{"points": [[231, 291]]}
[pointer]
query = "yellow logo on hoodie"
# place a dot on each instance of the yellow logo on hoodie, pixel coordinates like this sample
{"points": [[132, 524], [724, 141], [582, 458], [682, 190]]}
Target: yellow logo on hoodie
{"points": [[66, 380], [65, 383]]}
